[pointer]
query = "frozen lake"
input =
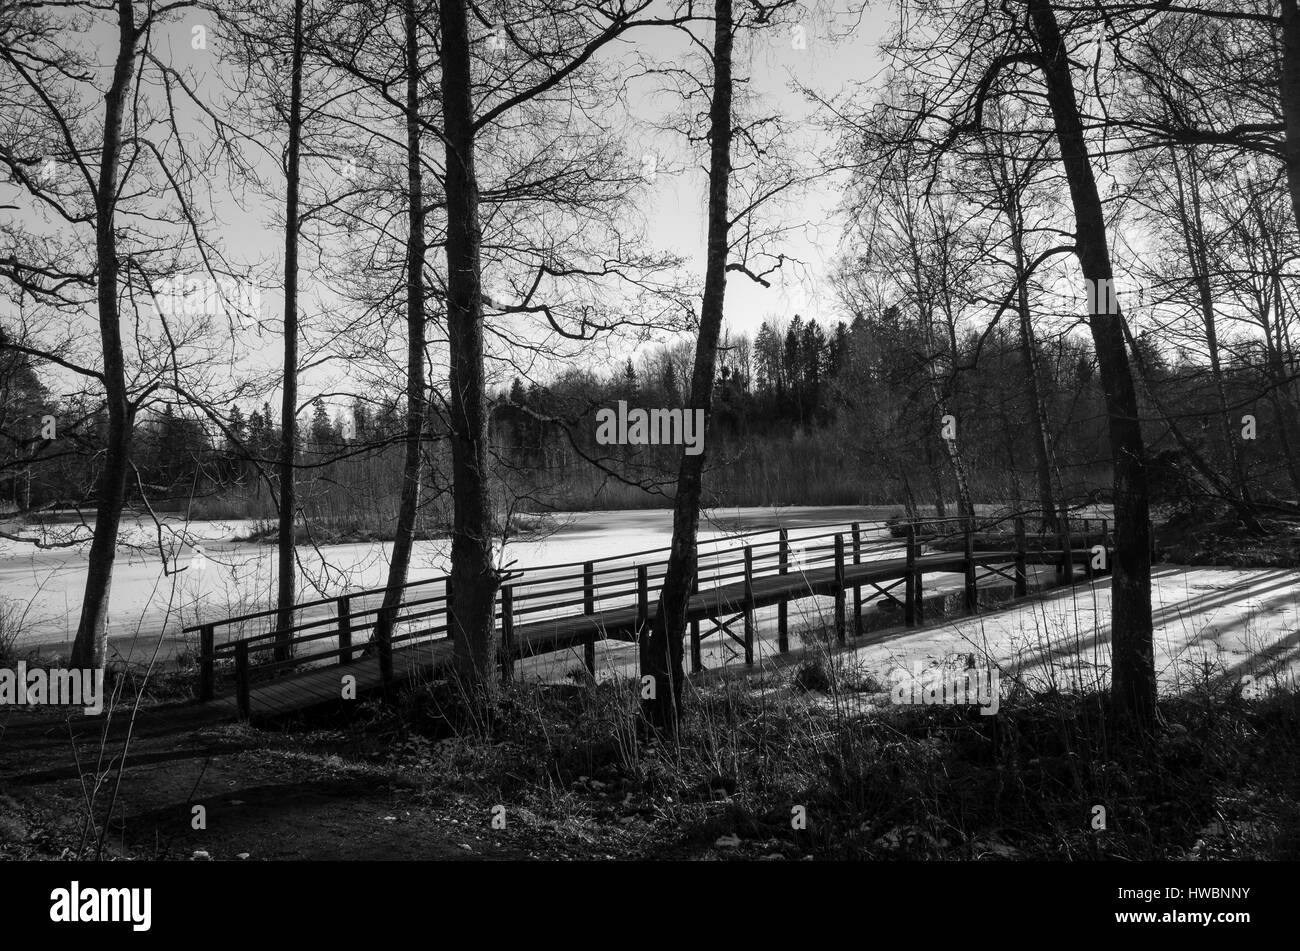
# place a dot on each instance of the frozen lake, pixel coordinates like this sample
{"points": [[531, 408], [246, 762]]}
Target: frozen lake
{"points": [[200, 569]]}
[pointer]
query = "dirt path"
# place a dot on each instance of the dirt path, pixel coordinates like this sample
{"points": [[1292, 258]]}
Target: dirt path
{"points": [[263, 796]]}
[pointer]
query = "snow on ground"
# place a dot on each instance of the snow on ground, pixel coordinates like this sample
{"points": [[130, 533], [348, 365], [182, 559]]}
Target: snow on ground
{"points": [[1222, 624]]}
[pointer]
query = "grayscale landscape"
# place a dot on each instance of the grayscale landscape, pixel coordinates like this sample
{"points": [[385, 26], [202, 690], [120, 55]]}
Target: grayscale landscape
{"points": [[649, 429]]}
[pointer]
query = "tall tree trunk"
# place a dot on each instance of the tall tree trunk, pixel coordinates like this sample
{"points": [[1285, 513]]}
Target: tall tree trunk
{"points": [[661, 647], [1133, 679], [474, 579], [287, 573], [1192, 225], [415, 250], [1290, 95], [965, 502], [88, 649], [936, 480], [1040, 421], [938, 388], [909, 499]]}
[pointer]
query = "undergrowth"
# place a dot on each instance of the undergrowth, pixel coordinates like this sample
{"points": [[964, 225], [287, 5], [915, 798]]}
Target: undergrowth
{"points": [[1220, 780]]}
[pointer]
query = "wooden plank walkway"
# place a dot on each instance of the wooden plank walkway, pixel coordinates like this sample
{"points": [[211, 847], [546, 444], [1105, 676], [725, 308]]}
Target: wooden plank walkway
{"points": [[297, 690]]}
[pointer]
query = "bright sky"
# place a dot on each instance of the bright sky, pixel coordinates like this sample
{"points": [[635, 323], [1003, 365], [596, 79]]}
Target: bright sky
{"points": [[776, 62], [834, 46]]}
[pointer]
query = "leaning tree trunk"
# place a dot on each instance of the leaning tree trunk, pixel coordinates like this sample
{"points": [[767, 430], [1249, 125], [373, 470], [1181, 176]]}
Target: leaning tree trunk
{"points": [[89, 648], [474, 579], [410, 498], [287, 573], [661, 647], [1133, 681]]}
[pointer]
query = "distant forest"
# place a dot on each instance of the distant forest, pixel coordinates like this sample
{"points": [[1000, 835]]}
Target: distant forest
{"points": [[804, 414]]}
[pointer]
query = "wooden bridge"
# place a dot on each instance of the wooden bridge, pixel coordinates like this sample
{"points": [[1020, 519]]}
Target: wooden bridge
{"points": [[560, 607]]}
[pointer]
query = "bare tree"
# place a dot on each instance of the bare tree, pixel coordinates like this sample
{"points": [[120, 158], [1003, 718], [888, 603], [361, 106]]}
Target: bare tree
{"points": [[662, 644]]}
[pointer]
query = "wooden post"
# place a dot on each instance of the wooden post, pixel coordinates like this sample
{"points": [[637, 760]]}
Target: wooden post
{"points": [[1022, 574], [207, 660], [446, 606], [749, 606], [782, 609], [1067, 549], [642, 601], [697, 659], [920, 584], [857, 589], [589, 608], [507, 632], [972, 596], [1065, 567], [910, 595], [344, 608], [241, 680], [839, 589]]}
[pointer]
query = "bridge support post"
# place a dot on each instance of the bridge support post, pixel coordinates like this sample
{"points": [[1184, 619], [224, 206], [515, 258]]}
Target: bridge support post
{"points": [[1022, 575], [783, 609], [507, 632], [749, 606], [207, 660], [910, 594], [840, 625], [697, 661], [344, 608], [972, 595], [242, 698], [857, 589]]}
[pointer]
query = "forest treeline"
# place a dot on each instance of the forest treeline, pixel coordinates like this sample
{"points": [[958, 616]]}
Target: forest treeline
{"points": [[803, 415]]}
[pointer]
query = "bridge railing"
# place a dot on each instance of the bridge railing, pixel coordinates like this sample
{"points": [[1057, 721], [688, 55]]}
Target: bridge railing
{"points": [[340, 628]]}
